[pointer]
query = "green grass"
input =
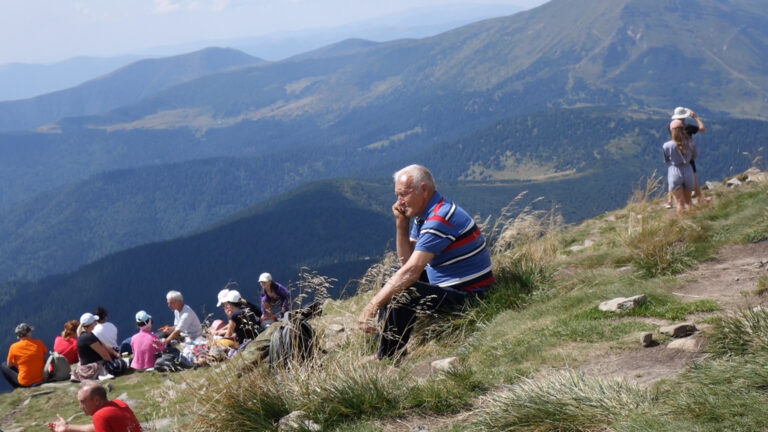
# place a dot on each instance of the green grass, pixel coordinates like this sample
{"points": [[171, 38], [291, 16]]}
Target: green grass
{"points": [[449, 393], [562, 401], [762, 285], [541, 316]]}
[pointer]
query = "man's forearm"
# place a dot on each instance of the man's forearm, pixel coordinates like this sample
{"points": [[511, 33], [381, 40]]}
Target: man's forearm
{"points": [[403, 244], [401, 280], [174, 335]]}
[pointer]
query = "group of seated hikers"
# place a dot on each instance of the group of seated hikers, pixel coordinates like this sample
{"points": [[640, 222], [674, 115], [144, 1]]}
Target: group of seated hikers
{"points": [[88, 348], [444, 262]]}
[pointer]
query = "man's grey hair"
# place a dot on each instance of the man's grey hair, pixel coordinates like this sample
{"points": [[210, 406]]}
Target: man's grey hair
{"points": [[174, 295], [418, 174]]}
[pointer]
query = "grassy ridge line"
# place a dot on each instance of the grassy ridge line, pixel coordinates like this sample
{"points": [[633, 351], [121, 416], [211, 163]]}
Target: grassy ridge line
{"points": [[542, 316]]}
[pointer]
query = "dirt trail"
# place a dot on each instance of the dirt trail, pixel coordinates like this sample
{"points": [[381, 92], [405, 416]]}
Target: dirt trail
{"points": [[730, 279]]}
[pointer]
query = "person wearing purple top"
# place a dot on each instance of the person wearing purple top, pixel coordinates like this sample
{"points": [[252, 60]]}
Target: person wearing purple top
{"points": [[678, 154], [273, 294]]}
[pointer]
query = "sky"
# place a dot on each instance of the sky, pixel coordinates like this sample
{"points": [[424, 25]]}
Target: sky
{"points": [[44, 31]]}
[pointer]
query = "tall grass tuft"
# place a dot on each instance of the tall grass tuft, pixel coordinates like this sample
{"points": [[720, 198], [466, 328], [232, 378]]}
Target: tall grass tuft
{"points": [[745, 332], [249, 403], [658, 245], [450, 392], [346, 391], [562, 401], [722, 394], [311, 285]]}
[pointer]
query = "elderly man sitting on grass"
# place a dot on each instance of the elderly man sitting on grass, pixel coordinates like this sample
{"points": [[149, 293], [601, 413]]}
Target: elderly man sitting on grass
{"points": [[443, 240]]}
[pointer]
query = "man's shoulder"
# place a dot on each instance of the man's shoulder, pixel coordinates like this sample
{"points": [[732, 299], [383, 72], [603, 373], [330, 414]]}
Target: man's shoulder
{"points": [[111, 407], [446, 212], [118, 403]]}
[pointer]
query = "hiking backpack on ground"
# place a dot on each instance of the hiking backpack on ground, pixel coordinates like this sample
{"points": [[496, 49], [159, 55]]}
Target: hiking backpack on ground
{"points": [[292, 338], [56, 367]]}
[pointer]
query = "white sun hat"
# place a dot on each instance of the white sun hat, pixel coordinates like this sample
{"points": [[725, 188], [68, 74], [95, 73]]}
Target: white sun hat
{"points": [[681, 113]]}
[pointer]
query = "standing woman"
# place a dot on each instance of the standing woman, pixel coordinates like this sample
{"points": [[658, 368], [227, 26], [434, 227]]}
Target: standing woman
{"points": [[678, 154], [682, 113]]}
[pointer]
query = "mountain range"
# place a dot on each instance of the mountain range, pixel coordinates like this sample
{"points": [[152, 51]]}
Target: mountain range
{"points": [[548, 153], [359, 94], [182, 172], [124, 86]]}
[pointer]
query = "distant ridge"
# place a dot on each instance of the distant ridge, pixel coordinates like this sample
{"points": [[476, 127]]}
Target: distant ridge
{"points": [[23, 81], [125, 86]]}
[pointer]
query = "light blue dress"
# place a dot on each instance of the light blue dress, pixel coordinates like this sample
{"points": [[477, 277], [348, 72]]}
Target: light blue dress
{"points": [[679, 170]]}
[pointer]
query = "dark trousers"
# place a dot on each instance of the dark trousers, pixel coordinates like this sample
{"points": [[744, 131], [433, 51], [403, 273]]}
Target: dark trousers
{"points": [[403, 310], [11, 374]]}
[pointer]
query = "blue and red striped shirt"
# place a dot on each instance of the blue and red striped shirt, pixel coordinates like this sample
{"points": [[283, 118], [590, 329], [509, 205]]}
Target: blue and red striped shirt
{"points": [[462, 260]]}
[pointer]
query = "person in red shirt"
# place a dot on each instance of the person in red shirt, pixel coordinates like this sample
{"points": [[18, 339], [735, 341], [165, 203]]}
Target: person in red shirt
{"points": [[66, 344], [26, 358], [108, 415]]}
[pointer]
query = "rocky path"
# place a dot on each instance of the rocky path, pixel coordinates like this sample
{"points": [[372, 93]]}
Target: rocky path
{"points": [[730, 279]]}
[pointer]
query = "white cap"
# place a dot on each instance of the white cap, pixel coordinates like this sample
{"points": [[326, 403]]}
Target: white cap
{"points": [[221, 296], [88, 318], [233, 296], [142, 316], [265, 277]]}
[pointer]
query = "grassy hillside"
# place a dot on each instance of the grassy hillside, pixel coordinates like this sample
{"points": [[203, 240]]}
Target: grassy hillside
{"points": [[533, 355]]}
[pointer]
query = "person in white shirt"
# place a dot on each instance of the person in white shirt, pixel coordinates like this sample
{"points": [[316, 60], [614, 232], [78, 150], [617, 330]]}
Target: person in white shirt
{"points": [[105, 331], [186, 324]]}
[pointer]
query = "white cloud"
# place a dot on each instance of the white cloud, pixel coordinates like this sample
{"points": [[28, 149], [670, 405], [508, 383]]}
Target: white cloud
{"points": [[170, 6], [219, 5], [82, 9], [166, 6]]}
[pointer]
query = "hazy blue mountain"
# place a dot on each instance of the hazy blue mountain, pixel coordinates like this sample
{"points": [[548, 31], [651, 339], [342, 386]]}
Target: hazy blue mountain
{"points": [[61, 229], [358, 95], [124, 86], [551, 153], [413, 23], [23, 81], [604, 52]]}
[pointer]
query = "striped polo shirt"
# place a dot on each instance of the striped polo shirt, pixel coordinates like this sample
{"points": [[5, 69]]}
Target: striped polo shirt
{"points": [[462, 260]]}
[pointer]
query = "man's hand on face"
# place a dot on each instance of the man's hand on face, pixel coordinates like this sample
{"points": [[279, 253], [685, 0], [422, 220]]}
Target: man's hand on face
{"points": [[399, 213]]}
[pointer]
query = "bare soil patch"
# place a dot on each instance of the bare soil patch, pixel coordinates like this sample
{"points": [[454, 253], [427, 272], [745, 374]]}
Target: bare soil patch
{"points": [[729, 279]]}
